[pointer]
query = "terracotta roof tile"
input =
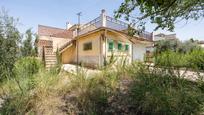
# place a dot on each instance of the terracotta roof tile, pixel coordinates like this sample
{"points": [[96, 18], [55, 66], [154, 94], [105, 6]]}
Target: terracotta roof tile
{"points": [[54, 32], [64, 34]]}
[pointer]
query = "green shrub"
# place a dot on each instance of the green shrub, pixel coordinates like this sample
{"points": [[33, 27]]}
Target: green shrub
{"points": [[92, 92], [170, 59], [123, 89], [195, 59], [157, 93], [37, 94], [27, 66]]}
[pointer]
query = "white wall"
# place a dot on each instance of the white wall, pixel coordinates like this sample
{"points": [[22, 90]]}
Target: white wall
{"points": [[139, 50], [202, 45]]}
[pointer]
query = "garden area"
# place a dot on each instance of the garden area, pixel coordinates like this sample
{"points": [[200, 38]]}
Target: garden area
{"points": [[27, 88]]}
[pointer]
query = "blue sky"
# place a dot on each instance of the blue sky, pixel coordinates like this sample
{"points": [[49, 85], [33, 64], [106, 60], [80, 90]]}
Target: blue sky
{"points": [[57, 12]]}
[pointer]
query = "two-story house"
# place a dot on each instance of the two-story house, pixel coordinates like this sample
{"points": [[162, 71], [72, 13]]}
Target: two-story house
{"points": [[95, 42]]}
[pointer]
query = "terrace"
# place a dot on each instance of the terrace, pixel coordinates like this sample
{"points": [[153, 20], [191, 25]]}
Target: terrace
{"points": [[106, 21]]}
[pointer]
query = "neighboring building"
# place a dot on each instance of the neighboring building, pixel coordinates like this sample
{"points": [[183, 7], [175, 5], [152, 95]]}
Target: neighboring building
{"points": [[97, 41], [162, 36], [201, 43]]}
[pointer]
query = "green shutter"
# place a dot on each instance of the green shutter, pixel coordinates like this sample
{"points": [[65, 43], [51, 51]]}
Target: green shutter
{"points": [[120, 46], [110, 45], [126, 47]]}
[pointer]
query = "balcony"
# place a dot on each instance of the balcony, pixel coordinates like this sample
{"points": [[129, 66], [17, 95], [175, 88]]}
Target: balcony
{"points": [[109, 22]]}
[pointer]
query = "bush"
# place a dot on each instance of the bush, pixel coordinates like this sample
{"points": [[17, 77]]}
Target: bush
{"points": [[170, 59], [133, 89], [91, 92], [195, 59], [157, 93], [27, 66], [37, 94]]}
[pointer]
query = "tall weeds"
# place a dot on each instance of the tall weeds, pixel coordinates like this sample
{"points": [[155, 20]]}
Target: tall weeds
{"points": [[116, 89]]}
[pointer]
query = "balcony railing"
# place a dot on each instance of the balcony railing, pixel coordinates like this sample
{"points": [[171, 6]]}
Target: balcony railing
{"points": [[112, 23]]}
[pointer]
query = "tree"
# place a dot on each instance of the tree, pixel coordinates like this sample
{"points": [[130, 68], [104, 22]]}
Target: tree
{"points": [[9, 44], [27, 48], [165, 45], [163, 13], [176, 46]]}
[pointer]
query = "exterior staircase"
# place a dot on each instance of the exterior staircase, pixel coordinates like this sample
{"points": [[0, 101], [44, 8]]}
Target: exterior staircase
{"points": [[50, 59]]}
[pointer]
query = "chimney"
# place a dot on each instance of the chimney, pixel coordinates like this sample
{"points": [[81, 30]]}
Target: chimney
{"points": [[68, 25], [103, 17]]}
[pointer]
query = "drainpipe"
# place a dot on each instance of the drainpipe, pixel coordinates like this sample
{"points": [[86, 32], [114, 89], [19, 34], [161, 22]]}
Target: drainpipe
{"points": [[105, 39]]}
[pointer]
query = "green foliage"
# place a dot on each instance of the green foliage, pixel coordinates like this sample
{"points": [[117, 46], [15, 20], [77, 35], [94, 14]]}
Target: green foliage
{"points": [[27, 48], [123, 89], [171, 59], [164, 45], [9, 40], [176, 46], [160, 93], [193, 60], [33, 94], [163, 13], [27, 66]]}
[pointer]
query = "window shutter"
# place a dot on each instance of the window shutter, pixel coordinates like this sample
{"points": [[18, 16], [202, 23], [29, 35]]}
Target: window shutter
{"points": [[120, 46], [110, 45], [126, 47]]}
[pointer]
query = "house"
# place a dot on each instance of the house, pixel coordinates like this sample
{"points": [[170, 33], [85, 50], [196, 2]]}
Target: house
{"points": [[95, 42], [201, 43], [162, 36]]}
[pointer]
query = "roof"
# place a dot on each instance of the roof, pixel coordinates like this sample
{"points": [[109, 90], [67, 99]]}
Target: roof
{"points": [[64, 34], [54, 32], [201, 42], [103, 28]]}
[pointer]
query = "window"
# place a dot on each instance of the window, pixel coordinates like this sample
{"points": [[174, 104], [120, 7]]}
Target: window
{"points": [[126, 47], [110, 45], [87, 46], [120, 46]]}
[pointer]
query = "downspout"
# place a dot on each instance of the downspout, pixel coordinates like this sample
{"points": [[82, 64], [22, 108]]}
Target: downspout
{"points": [[105, 39]]}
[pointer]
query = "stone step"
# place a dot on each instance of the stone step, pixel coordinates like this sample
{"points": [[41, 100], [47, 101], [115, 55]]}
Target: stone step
{"points": [[49, 65], [50, 62], [51, 55], [50, 58]]}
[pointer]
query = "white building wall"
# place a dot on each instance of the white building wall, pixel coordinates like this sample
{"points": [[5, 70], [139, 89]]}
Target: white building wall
{"points": [[139, 50], [202, 45]]}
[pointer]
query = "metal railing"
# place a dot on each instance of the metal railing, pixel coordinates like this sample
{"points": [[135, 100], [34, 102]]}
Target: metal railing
{"points": [[115, 24], [110, 23], [92, 25]]}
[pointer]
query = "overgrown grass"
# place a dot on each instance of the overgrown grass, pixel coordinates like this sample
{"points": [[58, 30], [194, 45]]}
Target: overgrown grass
{"points": [[120, 89], [156, 93]]}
